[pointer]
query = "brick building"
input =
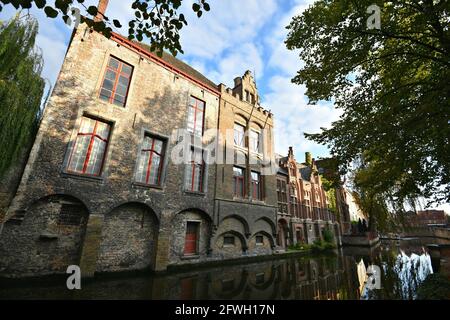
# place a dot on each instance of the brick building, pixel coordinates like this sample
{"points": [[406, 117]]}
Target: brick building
{"points": [[303, 212], [101, 190]]}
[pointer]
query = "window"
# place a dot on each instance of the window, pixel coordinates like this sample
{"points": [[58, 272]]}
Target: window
{"points": [[194, 174], [196, 111], [228, 240], [252, 98], [260, 278], [259, 240], [89, 149], [116, 82], [254, 141], [282, 196], [239, 131], [256, 185], [247, 95], [293, 202], [191, 239], [150, 161], [238, 176], [70, 214]]}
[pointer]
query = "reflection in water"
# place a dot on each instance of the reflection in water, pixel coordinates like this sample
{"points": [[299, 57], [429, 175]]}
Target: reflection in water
{"points": [[338, 276]]}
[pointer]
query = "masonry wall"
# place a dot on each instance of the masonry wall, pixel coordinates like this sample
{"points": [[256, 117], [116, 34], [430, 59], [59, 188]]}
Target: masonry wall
{"points": [[157, 103]]}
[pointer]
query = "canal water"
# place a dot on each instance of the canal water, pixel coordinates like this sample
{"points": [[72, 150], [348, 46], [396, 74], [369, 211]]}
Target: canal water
{"points": [[339, 275]]}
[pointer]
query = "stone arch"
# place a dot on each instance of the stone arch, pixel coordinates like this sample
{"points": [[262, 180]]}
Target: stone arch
{"points": [[267, 235], [129, 237], [240, 118], [282, 233], [272, 225], [49, 238], [221, 285], [192, 219], [254, 273], [242, 220]]}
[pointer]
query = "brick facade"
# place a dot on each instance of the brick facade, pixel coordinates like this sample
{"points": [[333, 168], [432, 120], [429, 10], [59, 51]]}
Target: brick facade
{"points": [[303, 208], [110, 222]]}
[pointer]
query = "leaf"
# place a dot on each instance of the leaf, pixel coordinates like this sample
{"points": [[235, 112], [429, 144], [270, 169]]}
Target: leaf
{"points": [[117, 23], [195, 7], [92, 10], [206, 6], [199, 13], [50, 12], [40, 3]]}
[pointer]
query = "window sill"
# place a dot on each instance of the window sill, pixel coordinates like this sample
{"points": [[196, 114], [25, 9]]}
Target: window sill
{"points": [[228, 245], [66, 174], [195, 193], [146, 186], [190, 257]]}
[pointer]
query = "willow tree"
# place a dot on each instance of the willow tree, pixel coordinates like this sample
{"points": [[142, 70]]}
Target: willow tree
{"points": [[391, 81], [21, 88]]}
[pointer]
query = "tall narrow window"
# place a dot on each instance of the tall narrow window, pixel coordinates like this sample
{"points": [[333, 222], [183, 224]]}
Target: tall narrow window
{"points": [[196, 111], [239, 131], [254, 141], [150, 161], [89, 149], [293, 202], [282, 196], [256, 185], [238, 187], [116, 82], [194, 174], [191, 239]]}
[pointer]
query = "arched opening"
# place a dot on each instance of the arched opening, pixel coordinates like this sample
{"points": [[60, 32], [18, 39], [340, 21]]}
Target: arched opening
{"points": [[191, 235], [129, 237], [49, 239], [283, 234]]}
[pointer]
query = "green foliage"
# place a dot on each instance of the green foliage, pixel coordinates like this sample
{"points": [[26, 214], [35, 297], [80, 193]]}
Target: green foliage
{"points": [[157, 20], [435, 287], [330, 190], [320, 246], [21, 88], [299, 247], [328, 236], [392, 86]]}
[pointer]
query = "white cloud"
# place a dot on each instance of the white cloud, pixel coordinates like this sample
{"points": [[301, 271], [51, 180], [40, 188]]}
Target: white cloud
{"points": [[293, 116]]}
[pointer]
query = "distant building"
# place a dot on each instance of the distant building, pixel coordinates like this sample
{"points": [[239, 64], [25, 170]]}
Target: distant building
{"points": [[303, 212], [427, 217]]}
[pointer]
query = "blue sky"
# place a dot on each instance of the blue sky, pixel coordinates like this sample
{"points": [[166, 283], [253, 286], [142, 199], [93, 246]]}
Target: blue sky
{"points": [[233, 37]]}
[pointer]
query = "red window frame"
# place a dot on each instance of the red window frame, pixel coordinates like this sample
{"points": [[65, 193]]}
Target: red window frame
{"points": [[152, 151], [118, 72], [193, 165], [93, 135], [256, 186], [191, 239], [197, 109], [239, 180]]}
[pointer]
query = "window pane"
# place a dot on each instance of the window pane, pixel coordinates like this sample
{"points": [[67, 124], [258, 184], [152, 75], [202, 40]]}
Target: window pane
{"points": [[105, 94], [123, 81], [121, 89], [199, 123], [158, 146], [113, 63], [79, 154], [126, 69], [141, 171], [154, 171], [96, 157], [190, 123], [111, 75], [239, 135]]}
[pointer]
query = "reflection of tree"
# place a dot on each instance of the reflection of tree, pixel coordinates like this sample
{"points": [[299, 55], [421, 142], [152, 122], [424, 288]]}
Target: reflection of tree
{"points": [[401, 276]]}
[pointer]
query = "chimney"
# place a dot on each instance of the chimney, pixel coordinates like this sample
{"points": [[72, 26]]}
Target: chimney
{"points": [[101, 9], [290, 153], [308, 158]]}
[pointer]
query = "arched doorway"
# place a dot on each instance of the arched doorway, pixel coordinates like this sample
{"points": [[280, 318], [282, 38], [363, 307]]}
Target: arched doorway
{"points": [[283, 234], [128, 238]]}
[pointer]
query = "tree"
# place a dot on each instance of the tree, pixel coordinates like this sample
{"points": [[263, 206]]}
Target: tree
{"points": [[158, 20], [21, 88], [392, 85]]}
